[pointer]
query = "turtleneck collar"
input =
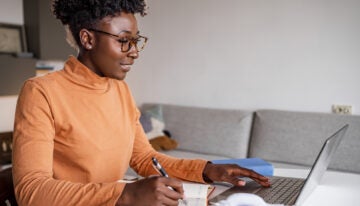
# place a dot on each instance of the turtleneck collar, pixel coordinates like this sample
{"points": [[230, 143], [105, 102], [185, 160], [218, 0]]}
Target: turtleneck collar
{"points": [[79, 74]]}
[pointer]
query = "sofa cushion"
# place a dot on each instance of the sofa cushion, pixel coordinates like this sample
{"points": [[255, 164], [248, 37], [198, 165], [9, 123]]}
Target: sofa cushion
{"points": [[145, 120], [297, 137], [152, 121], [220, 132], [192, 155]]}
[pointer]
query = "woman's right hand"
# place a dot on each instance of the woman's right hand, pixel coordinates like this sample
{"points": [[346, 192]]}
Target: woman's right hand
{"points": [[153, 190]]}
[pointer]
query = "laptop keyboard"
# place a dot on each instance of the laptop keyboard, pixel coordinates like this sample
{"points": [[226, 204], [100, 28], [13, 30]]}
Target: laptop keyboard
{"points": [[282, 190]]}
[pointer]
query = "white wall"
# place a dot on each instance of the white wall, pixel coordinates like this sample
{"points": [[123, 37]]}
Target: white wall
{"points": [[7, 111], [11, 11], [299, 55]]}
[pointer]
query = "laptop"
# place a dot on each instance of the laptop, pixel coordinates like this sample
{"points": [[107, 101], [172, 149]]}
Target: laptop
{"points": [[288, 190]]}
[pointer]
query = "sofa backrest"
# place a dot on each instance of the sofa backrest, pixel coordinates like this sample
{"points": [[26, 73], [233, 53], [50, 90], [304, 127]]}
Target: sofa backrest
{"points": [[297, 137], [221, 132]]}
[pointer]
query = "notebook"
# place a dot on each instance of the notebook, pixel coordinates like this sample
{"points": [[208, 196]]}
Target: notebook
{"points": [[257, 164], [292, 191], [196, 194]]}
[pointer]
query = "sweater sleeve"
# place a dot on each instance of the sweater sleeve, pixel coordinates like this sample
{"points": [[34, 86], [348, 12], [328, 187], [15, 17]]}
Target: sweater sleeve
{"points": [[185, 169], [33, 147]]}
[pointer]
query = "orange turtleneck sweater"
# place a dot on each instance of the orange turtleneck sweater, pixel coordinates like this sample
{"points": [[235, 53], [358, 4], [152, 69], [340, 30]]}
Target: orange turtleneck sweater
{"points": [[76, 134]]}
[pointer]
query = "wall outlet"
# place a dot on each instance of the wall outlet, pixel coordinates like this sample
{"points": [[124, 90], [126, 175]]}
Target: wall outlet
{"points": [[342, 109]]}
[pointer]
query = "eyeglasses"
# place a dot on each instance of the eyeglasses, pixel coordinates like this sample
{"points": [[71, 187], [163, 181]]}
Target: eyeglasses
{"points": [[126, 43]]}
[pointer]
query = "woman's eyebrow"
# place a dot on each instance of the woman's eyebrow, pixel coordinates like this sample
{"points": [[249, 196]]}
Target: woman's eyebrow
{"points": [[128, 32]]}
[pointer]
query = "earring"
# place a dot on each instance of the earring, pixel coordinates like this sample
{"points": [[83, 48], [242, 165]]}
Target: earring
{"points": [[89, 47]]}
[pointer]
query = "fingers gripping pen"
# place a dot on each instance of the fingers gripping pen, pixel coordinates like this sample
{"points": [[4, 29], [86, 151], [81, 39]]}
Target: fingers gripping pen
{"points": [[162, 172]]}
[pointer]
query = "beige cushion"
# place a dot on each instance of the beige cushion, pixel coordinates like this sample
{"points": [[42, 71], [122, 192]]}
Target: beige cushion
{"points": [[219, 132], [297, 137]]}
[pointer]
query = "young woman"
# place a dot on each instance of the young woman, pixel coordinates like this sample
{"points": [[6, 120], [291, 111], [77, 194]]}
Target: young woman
{"points": [[77, 130]]}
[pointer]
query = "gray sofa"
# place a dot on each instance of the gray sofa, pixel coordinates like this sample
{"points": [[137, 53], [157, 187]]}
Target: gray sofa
{"points": [[287, 139]]}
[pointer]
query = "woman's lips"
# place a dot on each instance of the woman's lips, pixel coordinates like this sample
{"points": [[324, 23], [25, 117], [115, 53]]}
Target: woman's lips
{"points": [[125, 68]]}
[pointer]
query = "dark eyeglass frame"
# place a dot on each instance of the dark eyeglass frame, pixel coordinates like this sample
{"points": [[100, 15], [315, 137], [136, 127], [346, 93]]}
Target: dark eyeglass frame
{"points": [[131, 42]]}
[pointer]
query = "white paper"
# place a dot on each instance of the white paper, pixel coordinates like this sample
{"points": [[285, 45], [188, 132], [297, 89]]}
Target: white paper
{"points": [[195, 194]]}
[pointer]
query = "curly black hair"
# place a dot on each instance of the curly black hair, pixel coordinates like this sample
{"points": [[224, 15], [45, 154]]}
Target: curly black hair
{"points": [[79, 14]]}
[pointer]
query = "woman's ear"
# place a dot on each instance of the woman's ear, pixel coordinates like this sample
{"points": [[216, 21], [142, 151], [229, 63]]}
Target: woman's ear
{"points": [[86, 39]]}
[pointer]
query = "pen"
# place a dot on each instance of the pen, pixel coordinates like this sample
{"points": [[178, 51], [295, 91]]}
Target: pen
{"points": [[158, 167], [162, 171]]}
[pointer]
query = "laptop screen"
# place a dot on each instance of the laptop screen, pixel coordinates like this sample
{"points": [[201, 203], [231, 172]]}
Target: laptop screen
{"points": [[321, 163]]}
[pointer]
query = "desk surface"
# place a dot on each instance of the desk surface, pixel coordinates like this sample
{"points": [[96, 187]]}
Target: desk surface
{"points": [[335, 188]]}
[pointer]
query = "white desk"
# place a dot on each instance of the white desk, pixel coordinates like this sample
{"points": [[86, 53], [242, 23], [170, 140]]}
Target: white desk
{"points": [[335, 188]]}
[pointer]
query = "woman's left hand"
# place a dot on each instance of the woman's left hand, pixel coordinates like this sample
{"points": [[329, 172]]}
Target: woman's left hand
{"points": [[232, 173]]}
